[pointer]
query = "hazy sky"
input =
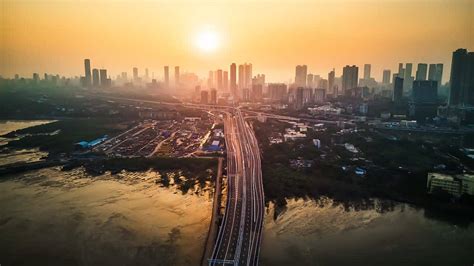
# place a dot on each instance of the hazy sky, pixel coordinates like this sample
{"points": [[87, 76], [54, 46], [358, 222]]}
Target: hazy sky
{"points": [[55, 36]]}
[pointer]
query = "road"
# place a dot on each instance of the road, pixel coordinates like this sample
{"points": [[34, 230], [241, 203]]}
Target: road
{"points": [[238, 241]]}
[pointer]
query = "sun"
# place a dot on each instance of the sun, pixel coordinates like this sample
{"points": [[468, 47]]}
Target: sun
{"points": [[207, 40]]}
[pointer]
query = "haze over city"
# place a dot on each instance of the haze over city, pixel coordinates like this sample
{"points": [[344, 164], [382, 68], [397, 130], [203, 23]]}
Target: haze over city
{"points": [[273, 35]]}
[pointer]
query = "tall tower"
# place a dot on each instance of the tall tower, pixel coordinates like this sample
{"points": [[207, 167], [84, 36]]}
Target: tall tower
{"points": [[135, 74], [225, 80], [103, 77], [87, 68], [233, 79], [386, 76], [331, 78], [421, 71], [241, 77], [95, 78], [176, 75], [439, 74], [367, 68], [248, 75], [219, 80], [350, 77], [462, 78], [300, 75], [167, 76]]}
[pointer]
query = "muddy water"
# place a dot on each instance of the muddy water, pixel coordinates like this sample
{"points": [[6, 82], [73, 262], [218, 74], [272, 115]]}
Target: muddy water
{"points": [[49, 217], [318, 233]]}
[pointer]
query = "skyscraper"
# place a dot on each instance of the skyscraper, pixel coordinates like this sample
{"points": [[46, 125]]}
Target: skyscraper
{"points": [[408, 78], [299, 103], [367, 68], [421, 71], [220, 83], [135, 74], [425, 91], [397, 89], [225, 80], [176, 75], [233, 79], [331, 77], [248, 75], [432, 72], [146, 74], [300, 75], [462, 78], [439, 74], [210, 80], [241, 77], [278, 92], [95, 78], [167, 76], [257, 92], [309, 81], [350, 77], [103, 77], [386, 76], [87, 68], [213, 96]]}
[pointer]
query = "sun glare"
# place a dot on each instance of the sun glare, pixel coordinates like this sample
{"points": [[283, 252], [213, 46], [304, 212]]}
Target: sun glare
{"points": [[207, 40]]}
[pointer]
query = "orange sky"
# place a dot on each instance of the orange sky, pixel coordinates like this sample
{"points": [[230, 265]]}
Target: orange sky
{"points": [[55, 36]]}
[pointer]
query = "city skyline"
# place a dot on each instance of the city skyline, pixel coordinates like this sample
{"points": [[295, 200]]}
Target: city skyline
{"points": [[33, 44]]}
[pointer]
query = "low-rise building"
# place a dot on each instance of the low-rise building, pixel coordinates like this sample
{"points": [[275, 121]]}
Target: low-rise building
{"points": [[455, 185]]}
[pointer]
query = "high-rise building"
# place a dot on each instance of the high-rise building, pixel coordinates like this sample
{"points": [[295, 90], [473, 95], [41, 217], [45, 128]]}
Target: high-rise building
{"points": [[278, 92], [257, 92], [36, 77], [301, 75], [103, 77], [432, 72], [462, 78], [401, 70], [213, 96], [204, 97], [259, 80], [241, 77], [421, 71], [248, 75], [220, 83], [167, 76], [331, 77], [135, 74], [95, 78], [233, 79], [439, 74], [386, 76], [299, 103], [176, 75], [87, 77], [147, 76], [367, 68], [319, 95], [350, 77], [210, 80], [425, 91], [397, 89], [225, 80], [323, 84], [408, 78], [309, 81]]}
